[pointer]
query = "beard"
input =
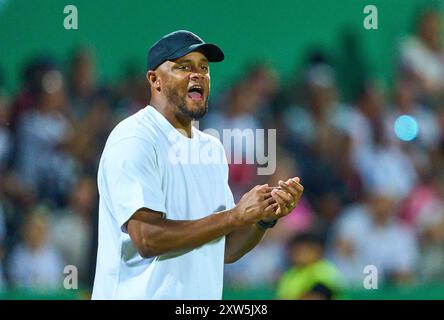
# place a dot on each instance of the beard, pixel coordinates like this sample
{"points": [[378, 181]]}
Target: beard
{"points": [[182, 108]]}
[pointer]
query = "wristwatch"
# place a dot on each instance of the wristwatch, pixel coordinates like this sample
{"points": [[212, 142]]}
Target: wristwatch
{"points": [[266, 224]]}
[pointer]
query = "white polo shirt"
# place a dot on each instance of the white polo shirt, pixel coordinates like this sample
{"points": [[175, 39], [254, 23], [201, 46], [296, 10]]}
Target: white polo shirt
{"points": [[148, 163]]}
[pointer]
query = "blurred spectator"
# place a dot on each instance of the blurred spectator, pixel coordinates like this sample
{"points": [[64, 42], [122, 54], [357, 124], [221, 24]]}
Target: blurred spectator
{"points": [[5, 133], [315, 136], [33, 74], [405, 103], [35, 263], [132, 93], [82, 87], [423, 211], [367, 115], [255, 267], [43, 134], [322, 116], [6, 225], [90, 134], [260, 267], [302, 218], [381, 165], [386, 168], [422, 56], [71, 228], [238, 122], [310, 276], [263, 81], [2, 247], [371, 234]]}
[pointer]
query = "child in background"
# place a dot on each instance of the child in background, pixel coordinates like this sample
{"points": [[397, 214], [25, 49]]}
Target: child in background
{"points": [[310, 276]]}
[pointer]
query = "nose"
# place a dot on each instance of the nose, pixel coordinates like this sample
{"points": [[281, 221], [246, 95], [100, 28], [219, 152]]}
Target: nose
{"points": [[195, 76]]}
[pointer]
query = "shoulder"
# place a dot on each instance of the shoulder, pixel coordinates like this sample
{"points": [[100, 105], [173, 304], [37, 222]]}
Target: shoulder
{"points": [[131, 144], [138, 125], [137, 132]]}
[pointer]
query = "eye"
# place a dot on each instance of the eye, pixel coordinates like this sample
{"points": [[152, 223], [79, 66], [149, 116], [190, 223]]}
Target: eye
{"points": [[183, 67], [204, 67]]}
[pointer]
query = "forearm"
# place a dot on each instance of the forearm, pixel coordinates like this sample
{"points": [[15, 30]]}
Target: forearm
{"points": [[241, 241], [159, 236]]}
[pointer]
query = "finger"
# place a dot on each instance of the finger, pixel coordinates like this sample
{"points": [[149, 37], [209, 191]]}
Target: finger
{"points": [[288, 204], [270, 201], [263, 187], [296, 179], [271, 208], [279, 200], [300, 191], [295, 184], [284, 195], [266, 195], [260, 187], [290, 189], [296, 192]]}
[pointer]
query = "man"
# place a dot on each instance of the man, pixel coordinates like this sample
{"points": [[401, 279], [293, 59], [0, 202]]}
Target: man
{"points": [[167, 226]]}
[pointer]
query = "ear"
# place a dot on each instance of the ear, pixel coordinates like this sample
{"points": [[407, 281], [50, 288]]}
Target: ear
{"points": [[153, 79]]}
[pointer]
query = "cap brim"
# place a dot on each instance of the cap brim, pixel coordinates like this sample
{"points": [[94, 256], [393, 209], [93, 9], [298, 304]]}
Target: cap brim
{"points": [[212, 52]]}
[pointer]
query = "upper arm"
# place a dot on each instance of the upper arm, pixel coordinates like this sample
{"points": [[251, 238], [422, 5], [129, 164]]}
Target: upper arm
{"points": [[139, 225], [130, 179]]}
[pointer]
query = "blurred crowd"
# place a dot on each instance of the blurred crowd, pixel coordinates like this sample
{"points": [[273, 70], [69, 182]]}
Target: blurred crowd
{"points": [[374, 182]]}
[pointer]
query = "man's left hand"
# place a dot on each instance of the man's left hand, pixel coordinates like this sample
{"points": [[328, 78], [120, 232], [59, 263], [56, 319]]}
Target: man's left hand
{"points": [[287, 197]]}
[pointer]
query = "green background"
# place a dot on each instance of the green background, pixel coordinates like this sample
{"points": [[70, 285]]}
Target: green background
{"points": [[411, 292], [278, 31]]}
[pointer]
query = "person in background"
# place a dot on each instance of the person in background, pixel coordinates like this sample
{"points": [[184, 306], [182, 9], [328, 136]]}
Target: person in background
{"points": [[315, 136], [240, 113], [90, 134], [2, 248], [35, 263], [256, 267], [71, 228], [43, 161], [370, 233], [5, 132], [303, 217], [423, 148], [423, 212], [82, 87], [131, 94], [406, 103], [422, 55], [380, 163], [311, 276]]}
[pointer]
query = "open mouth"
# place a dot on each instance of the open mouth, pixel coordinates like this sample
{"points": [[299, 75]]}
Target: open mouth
{"points": [[196, 92]]}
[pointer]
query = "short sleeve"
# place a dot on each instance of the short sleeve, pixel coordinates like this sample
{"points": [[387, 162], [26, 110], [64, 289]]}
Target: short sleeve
{"points": [[130, 179], [229, 198]]}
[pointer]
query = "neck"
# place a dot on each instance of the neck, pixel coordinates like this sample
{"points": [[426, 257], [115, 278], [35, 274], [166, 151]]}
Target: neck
{"points": [[182, 124]]}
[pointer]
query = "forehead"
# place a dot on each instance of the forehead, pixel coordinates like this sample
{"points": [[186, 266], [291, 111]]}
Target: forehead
{"points": [[194, 56]]}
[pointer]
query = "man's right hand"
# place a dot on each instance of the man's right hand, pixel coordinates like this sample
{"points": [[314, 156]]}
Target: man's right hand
{"points": [[254, 205]]}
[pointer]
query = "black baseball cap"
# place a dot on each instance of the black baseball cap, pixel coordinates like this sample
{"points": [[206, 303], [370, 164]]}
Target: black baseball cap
{"points": [[178, 44]]}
